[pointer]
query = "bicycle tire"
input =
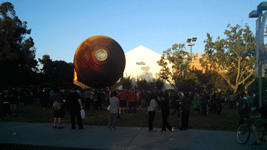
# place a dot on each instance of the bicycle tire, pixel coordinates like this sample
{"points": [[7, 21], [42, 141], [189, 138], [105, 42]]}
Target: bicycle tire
{"points": [[243, 133]]}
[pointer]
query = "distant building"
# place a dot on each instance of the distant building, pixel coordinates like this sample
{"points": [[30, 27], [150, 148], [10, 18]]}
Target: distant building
{"points": [[195, 63], [141, 62]]}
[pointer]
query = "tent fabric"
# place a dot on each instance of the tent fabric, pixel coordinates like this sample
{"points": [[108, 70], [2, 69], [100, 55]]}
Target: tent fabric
{"points": [[76, 82]]}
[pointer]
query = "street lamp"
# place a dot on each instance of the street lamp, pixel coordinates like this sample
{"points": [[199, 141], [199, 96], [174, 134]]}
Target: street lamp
{"points": [[260, 48], [191, 42]]}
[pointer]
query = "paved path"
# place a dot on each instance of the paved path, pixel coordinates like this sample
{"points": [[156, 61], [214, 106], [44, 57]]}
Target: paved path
{"points": [[124, 138]]}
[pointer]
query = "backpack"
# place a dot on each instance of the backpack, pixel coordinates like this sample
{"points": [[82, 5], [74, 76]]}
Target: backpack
{"points": [[56, 105], [56, 98]]}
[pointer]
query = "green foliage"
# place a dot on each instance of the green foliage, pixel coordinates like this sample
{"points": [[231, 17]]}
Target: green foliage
{"points": [[126, 82], [175, 68], [155, 84], [142, 84], [56, 73], [17, 54], [211, 80], [233, 57], [174, 62], [159, 83]]}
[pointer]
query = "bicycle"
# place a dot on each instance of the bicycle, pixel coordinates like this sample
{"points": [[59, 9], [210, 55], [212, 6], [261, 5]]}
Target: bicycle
{"points": [[243, 131]]}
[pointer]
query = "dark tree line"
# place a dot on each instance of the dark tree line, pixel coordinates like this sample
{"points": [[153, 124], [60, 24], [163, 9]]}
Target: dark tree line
{"points": [[17, 53], [56, 73], [142, 84], [17, 56], [155, 84]]}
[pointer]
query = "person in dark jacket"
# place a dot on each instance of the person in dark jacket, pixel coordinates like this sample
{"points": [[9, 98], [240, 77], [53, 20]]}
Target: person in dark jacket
{"points": [[164, 102], [256, 101], [241, 105], [218, 103], [75, 107], [13, 100], [204, 101], [176, 104], [185, 106]]}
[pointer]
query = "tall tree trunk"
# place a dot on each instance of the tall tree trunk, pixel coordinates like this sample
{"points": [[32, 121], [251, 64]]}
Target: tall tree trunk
{"points": [[235, 89]]}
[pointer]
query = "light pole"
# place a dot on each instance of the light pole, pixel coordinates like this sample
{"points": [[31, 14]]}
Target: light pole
{"points": [[260, 49], [191, 42]]}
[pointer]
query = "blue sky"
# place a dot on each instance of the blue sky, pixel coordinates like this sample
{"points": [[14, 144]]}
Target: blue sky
{"points": [[59, 26]]}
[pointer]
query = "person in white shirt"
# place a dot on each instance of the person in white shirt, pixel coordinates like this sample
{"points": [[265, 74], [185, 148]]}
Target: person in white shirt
{"points": [[181, 96], [87, 100], [92, 95], [114, 109], [151, 112]]}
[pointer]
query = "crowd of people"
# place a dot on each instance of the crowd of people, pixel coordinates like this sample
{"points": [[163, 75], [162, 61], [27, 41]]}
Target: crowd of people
{"points": [[11, 97], [74, 100], [203, 103]]}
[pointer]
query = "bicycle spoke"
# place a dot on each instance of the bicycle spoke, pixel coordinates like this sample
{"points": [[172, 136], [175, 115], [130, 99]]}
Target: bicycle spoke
{"points": [[243, 134]]}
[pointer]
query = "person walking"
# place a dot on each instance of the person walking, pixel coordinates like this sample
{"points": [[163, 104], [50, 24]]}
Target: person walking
{"points": [[218, 103], [231, 100], [132, 97], [96, 100], [151, 112], [101, 98], [123, 96], [195, 103], [256, 101], [241, 105], [181, 96], [59, 112], [13, 100], [75, 107], [185, 106], [114, 108], [138, 99], [176, 105], [91, 101], [164, 102], [204, 101], [87, 100]]}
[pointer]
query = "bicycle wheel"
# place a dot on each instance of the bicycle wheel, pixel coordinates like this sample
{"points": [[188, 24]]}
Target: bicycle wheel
{"points": [[262, 135], [243, 133]]}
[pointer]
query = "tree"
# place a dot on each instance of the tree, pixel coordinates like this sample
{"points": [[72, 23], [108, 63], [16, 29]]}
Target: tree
{"points": [[174, 63], [159, 84], [47, 63], [233, 58], [210, 79], [142, 84], [126, 82], [175, 67], [17, 54], [154, 84], [57, 73]]}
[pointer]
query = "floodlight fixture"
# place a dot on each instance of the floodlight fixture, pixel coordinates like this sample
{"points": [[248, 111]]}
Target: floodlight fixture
{"points": [[259, 32], [188, 40], [262, 6], [194, 39], [253, 14], [191, 42], [256, 13]]}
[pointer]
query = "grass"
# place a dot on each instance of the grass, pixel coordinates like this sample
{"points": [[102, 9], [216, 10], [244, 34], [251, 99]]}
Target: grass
{"points": [[226, 120]]}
